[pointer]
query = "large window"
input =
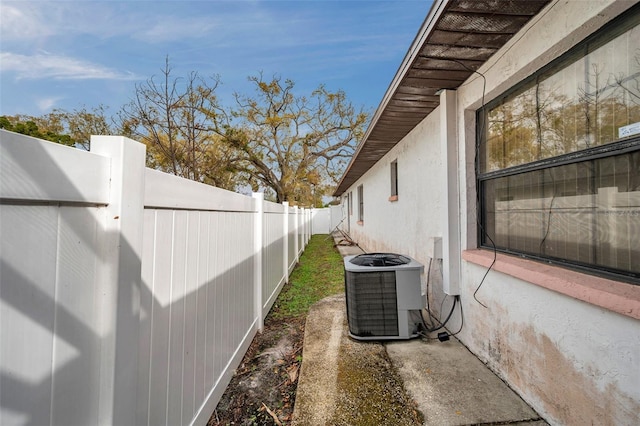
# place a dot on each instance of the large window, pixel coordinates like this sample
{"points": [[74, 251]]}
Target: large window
{"points": [[559, 158]]}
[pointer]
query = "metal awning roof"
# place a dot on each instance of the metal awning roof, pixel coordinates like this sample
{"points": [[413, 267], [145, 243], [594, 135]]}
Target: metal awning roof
{"points": [[456, 38]]}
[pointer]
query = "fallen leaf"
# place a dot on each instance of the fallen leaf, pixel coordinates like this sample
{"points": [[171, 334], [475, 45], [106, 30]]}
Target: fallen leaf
{"points": [[293, 372]]}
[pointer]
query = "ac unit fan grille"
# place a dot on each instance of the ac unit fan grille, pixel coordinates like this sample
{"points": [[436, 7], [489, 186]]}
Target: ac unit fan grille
{"points": [[372, 303]]}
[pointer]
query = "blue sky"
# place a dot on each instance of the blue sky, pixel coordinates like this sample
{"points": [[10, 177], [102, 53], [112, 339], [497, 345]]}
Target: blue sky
{"points": [[74, 54]]}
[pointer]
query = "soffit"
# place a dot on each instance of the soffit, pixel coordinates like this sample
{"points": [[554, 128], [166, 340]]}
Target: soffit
{"points": [[457, 37]]}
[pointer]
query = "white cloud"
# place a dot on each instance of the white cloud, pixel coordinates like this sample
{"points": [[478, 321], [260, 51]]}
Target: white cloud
{"points": [[45, 104], [21, 23], [28, 21], [173, 28], [44, 65]]}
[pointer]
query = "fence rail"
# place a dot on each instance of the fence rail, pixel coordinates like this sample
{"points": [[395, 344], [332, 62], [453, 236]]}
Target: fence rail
{"points": [[127, 295]]}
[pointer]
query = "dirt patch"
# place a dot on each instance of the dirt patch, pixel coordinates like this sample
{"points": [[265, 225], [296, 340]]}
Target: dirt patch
{"points": [[263, 388]]}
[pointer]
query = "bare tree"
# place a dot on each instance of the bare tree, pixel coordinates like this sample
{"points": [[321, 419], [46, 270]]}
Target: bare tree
{"points": [[177, 119]]}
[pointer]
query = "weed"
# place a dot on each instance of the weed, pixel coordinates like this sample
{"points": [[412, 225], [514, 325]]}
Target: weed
{"points": [[318, 275]]}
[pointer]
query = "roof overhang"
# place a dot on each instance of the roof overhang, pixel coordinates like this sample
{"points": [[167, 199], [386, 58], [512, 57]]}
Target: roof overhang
{"points": [[456, 38]]}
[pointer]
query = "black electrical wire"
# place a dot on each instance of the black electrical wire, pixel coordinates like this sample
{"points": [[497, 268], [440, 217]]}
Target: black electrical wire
{"points": [[442, 324], [428, 280], [493, 262], [461, 320], [428, 306], [478, 201], [477, 160], [425, 336], [542, 249]]}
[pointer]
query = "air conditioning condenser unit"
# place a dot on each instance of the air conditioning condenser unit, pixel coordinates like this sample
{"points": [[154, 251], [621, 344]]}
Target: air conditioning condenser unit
{"points": [[381, 290]]}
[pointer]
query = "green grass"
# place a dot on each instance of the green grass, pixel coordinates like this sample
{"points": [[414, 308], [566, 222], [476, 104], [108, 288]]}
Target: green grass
{"points": [[319, 274]]}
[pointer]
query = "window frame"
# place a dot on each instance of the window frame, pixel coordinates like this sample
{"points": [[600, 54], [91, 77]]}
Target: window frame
{"points": [[360, 203], [393, 167], [609, 32]]}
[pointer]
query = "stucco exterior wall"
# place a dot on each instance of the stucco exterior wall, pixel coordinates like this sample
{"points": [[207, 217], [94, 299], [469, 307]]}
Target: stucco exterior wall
{"points": [[576, 363], [412, 224], [573, 361], [413, 220]]}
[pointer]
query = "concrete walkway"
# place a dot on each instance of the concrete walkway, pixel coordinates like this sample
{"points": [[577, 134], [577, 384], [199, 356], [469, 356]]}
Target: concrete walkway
{"points": [[347, 382]]}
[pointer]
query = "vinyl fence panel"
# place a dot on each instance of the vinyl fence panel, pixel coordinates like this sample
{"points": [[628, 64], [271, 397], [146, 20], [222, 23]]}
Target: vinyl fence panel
{"points": [[337, 216], [183, 339], [127, 295], [33, 169], [50, 339], [321, 221], [273, 271], [51, 252], [301, 224], [293, 240]]}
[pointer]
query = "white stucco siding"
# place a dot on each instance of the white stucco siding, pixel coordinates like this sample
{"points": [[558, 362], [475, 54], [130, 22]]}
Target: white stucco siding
{"points": [[575, 362], [408, 225]]}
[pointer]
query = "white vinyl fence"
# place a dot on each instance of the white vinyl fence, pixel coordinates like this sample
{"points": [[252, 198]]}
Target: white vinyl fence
{"points": [[128, 296]]}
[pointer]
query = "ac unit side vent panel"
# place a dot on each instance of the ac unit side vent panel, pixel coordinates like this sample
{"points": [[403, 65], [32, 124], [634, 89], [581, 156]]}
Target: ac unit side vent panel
{"points": [[372, 303]]}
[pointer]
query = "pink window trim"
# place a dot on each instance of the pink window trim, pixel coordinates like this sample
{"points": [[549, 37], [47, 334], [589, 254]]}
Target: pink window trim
{"points": [[615, 296]]}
